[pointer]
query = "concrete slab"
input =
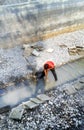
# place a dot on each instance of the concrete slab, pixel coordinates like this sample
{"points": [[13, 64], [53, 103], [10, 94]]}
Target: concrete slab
{"points": [[72, 51], [82, 80], [36, 100], [70, 90], [38, 47], [35, 53], [43, 97], [79, 85], [50, 50], [30, 104], [17, 112], [26, 46]]}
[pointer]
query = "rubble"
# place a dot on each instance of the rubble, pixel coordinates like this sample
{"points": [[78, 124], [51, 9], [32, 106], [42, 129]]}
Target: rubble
{"points": [[38, 47], [17, 112], [76, 50], [50, 50], [70, 90], [43, 97], [72, 51], [35, 53]]}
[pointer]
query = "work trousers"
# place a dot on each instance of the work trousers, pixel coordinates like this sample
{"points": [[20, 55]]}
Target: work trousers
{"points": [[41, 74]]}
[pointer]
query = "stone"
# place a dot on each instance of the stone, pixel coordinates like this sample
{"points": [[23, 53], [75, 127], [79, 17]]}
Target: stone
{"points": [[17, 112], [35, 53], [43, 97], [30, 104], [36, 100], [38, 47], [26, 46], [70, 90], [79, 85], [50, 50], [82, 80], [72, 51]]}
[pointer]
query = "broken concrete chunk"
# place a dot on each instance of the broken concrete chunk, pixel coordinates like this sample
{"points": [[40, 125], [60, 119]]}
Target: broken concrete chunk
{"points": [[38, 47], [82, 80], [25, 46], [70, 90], [79, 85], [36, 100], [72, 51], [35, 53], [50, 50], [43, 97], [17, 112], [30, 104]]}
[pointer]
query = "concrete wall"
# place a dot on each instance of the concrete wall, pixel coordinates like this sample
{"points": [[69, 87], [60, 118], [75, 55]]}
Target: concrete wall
{"points": [[26, 21]]}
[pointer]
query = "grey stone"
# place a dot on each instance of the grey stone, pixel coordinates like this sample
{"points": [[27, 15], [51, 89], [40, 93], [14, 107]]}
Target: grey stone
{"points": [[50, 50], [30, 104], [38, 47], [26, 46], [36, 100], [17, 112], [70, 90], [79, 85], [43, 97], [35, 53]]}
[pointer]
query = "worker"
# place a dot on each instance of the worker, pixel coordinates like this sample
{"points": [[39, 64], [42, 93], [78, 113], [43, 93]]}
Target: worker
{"points": [[49, 65]]}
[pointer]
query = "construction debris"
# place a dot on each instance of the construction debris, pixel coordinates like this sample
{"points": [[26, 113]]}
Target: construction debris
{"points": [[17, 112], [25, 46], [35, 53], [72, 51], [76, 50], [30, 104], [50, 50], [79, 85], [38, 47], [36, 100], [43, 97], [70, 90]]}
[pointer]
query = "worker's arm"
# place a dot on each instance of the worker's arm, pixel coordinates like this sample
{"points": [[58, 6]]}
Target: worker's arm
{"points": [[46, 74]]}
